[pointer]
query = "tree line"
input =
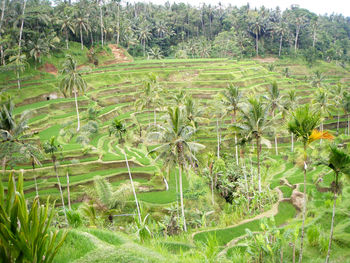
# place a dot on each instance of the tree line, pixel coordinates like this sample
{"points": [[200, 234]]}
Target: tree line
{"points": [[38, 27]]}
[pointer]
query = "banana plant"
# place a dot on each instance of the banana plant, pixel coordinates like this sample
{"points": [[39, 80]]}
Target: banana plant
{"points": [[24, 232]]}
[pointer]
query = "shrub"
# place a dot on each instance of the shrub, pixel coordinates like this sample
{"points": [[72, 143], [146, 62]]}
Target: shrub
{"points": [[24, 233]]}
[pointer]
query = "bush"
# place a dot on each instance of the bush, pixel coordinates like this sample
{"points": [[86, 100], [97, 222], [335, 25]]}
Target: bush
{"points": [[24, 234]]}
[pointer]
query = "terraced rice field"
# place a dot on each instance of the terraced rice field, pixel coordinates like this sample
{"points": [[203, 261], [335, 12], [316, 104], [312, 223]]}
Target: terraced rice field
{"points": [[112, 90]]}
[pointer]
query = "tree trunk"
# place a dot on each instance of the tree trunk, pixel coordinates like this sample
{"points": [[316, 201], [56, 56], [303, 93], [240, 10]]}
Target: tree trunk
{"points": [[332, 225], [257, 44], [1, 20], [218, 139], [21, 29], [177, 197], [155, 117], [212, 189], [91, 38], [296, 38], [276, 145], [59, 186], [338, 125], [67, 47], [68, 191], [77, 109], [18, 79], [118, 24], [292, 142], [133, 189], [280, 50], [236, 149], [182, 199], [258, 159], [304, 209], [294, 252], [166, 184], [314, 39], [81, 38], [101, 21]]}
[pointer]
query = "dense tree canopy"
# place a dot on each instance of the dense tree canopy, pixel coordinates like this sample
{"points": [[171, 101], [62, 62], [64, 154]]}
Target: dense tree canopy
{"points": [[172, 29]]}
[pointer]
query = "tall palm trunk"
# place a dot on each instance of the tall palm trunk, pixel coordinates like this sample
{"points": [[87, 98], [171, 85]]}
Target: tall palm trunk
{"points": [[133, 189], [236, 148], [218, 137], [118, 24], [1, 20], [296, 38], [304, 208], [280, 50], [77, 109], [258, 159], [67, 45], [292, 149], [101, 25], [276, 145], [59, 186], [182, 199], [21, 29], [332, 224], [338, 124], [257, 44], [68, 191], [81, 37]]}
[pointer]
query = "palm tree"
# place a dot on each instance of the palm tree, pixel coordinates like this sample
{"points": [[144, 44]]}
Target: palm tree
{"points": [[174, 137], [254, 123], [317, 79], [257, 27], [299, 22], [144, 36], [302, 124], [38, 49], [282, 30], [231, 99], [117, 127], [19, 62], [339, 162], [275, 100], [72, 82], [82, 23], [67, 25], [51, 147]]}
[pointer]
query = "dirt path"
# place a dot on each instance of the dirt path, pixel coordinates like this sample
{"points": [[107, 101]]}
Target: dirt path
{"points": [[119, 55]]}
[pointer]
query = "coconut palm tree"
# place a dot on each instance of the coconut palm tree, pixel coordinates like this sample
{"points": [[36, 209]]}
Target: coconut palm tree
{"points": [[174, 136], [118, 128], [52, 147], [302, 124], [19, 63], [144, 35], [72, 82], [254, 123], [231, 98], [339, 162], [274, 98], [82, 24], [67, 24]]}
